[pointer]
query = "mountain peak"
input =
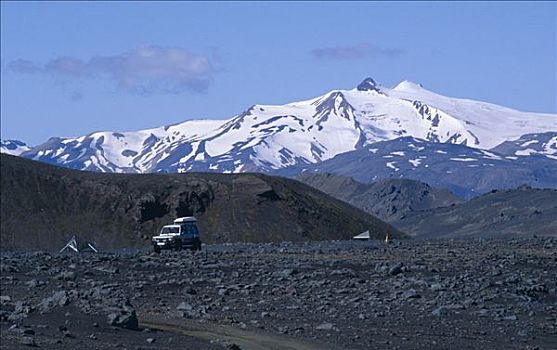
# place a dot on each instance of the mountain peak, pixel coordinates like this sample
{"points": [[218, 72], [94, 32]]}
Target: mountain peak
{"points": [[368, 84], [407, 85], [13, 147]]}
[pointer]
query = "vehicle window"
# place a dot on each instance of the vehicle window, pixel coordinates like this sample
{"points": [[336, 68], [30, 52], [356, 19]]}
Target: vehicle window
{"points": [[190, 229], [168, 230]]}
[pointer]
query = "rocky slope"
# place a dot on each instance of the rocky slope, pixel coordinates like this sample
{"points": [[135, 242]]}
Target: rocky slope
{"points": [[389, 199], [521, 212], [42, 206]]}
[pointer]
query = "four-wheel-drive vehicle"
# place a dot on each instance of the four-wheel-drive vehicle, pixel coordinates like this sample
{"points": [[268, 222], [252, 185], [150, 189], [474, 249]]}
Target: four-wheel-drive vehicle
{"points": [[183, 234]]}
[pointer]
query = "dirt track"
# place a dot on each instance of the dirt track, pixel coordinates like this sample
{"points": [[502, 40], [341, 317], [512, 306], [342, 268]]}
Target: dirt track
{"points": [[247, 340]]}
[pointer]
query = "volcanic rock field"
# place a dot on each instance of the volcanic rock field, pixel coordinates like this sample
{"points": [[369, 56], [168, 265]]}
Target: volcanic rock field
{"points": [[438, 294]]}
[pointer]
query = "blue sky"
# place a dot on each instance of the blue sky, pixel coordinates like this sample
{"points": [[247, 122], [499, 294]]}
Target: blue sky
{"points": [[68, 69]]}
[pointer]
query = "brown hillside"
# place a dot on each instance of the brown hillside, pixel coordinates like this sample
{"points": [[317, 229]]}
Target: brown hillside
{"points": [[42, 206]]}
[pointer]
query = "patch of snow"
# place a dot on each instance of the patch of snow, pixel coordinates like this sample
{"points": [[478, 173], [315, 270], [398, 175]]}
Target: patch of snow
{"points": [[421, 148], [490, 155], [392, 166], [464, 159], [525, 152], [528, 143], [415, 162]]}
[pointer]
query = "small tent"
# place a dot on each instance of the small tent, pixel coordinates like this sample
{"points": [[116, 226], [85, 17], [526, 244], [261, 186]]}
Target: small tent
{"points": [[364, 236], [73, 245]]}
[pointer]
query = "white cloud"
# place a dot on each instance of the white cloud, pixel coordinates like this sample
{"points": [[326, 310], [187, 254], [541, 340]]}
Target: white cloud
{"points": [[146, 69]]}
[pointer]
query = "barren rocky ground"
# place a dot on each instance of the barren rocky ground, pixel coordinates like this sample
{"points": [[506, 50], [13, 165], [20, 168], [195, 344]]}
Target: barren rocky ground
{"points": [[477, 294]]}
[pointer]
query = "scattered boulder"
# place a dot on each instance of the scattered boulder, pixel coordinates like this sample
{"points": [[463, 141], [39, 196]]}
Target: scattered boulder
{"points": [[326, 326], [60, 298], [29, 341], [395, 270], [124, 317]]}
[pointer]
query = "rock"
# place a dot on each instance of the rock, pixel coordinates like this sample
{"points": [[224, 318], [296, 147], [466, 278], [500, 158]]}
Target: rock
{"points": [[436, 287], [66, 276], [183, 306], [60, 298], [20, 312], [326, 326], [288, 272], [395, 270], [29, 341], [191, 291], [410, 294], [440, 311], [28, 331], [124, 318], [151, 340]]}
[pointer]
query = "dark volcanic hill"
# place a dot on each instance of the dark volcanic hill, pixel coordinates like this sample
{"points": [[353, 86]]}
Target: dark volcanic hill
{"points": [[505, 213], [42, 206], [427, 212], [388, 199]]}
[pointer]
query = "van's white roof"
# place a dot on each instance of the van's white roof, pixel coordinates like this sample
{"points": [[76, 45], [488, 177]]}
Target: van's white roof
{"points": [[185, 219]]}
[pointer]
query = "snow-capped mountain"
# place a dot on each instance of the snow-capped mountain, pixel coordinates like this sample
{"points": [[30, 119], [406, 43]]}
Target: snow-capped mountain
{"points": [[13, 147], [544, 144], [267, 137], [465, 171]]}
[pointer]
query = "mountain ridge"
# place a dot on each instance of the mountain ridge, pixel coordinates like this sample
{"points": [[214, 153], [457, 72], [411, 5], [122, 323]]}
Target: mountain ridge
{"points": [[268, 137], [388, 199], [465, 171]]}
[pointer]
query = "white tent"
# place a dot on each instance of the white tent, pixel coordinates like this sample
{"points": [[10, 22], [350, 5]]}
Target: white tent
{"points": [[364, 236], [72, 244]]}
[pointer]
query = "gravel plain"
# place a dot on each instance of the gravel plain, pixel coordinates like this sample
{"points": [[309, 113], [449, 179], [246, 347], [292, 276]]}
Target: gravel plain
{"points": [[438, 294]]}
